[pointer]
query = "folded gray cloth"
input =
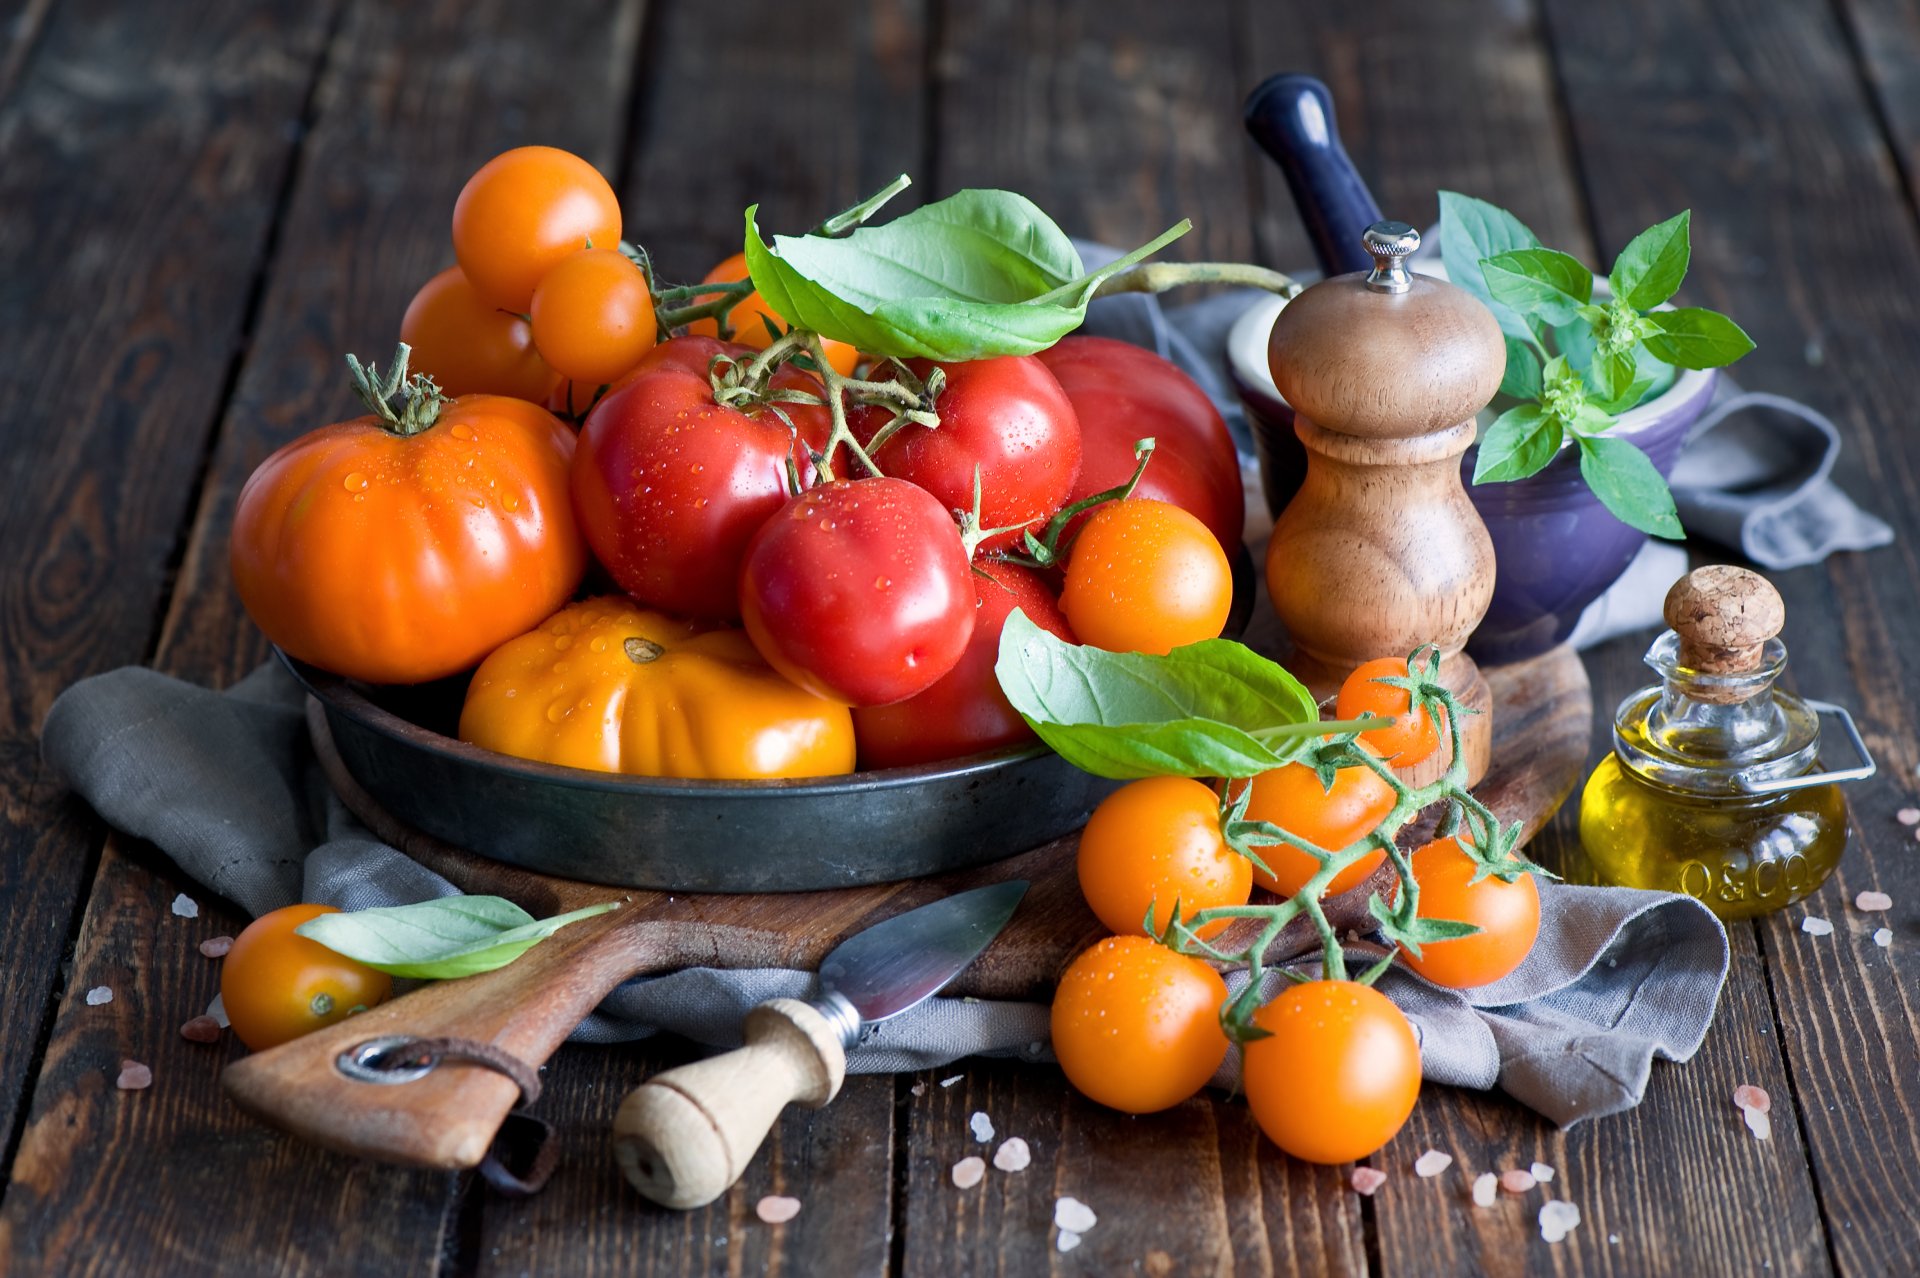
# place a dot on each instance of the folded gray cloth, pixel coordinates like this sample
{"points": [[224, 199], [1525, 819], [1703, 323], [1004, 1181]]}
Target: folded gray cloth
{"points": [[227, 785]]}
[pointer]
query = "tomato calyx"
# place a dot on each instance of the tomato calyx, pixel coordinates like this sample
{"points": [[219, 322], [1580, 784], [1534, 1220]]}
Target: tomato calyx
{"points": [[1044, 550], [403, 406]]}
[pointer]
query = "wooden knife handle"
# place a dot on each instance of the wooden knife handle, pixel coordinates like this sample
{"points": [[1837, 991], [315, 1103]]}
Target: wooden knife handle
{"points": [[684, 1136], [447, 1118]]}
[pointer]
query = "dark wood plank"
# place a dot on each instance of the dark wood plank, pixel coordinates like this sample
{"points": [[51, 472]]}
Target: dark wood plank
{"points": [[1885, 37], [1802, 233], [367, 220], [140, 156]]}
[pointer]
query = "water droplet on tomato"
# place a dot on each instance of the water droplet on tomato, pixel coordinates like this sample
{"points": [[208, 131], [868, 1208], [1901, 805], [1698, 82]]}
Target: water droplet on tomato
{"points": [[558, 711], [355, 482], [563, 642], [599, 644], [699, 503], [882, 583], [462, 431], [559, 667], [510, 502]]}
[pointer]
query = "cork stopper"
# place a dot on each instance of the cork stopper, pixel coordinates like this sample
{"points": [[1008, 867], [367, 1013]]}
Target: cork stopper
{"points": [[1724, 617]]}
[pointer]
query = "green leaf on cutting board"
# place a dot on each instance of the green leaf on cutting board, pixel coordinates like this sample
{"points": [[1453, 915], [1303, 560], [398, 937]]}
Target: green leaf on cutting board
{"points": [[439, 939]]}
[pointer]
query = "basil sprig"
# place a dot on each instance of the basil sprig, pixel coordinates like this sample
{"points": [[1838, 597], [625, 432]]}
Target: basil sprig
{"points": [[439, 939]]}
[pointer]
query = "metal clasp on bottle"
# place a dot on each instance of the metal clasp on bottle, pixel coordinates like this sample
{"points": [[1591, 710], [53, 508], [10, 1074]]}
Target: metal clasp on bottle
{"points": [[1806, 780]]}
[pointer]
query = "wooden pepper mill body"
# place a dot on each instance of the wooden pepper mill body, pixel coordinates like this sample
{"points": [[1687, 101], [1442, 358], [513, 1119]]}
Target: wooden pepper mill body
{"points": [[1381, 551]]}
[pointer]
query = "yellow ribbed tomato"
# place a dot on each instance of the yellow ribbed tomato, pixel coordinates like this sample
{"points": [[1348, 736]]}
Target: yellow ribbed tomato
{"points": [[607, 685]]}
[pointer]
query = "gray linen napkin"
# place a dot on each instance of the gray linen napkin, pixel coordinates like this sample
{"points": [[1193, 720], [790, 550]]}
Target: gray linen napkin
{"points": [[226, 784]]}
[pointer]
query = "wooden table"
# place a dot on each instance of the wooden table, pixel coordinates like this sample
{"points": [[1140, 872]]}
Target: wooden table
{"points": [[202, 205]]}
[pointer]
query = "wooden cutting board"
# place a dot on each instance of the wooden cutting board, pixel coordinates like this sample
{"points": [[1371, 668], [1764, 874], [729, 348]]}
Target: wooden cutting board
{"points": [[1543, 713]]}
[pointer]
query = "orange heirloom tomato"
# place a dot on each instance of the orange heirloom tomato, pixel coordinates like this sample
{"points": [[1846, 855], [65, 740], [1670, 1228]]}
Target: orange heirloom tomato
{"points": [[593, 316], [277, 985], [400, 558], [1338, 1073], [1507, 914], [1292, 798], [1146, 576], [1155, 842], [1136, 1027], [607, 685], [522, 212], [469, 346], [1410, 740], [745, 319]]}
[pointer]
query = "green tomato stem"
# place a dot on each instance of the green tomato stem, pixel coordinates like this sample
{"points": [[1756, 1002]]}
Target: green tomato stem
{"points": [[1160, 277]]}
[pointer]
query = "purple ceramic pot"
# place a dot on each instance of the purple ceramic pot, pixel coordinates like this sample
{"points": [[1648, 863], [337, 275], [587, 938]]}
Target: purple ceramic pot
{"points": [[1556, 548]]}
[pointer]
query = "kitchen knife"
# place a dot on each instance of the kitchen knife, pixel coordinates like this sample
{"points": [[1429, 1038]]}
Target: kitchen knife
{"points": [[686, 1135]]}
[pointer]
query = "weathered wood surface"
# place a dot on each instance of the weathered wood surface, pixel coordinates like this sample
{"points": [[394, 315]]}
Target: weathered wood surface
{"points": [[239, 196]]}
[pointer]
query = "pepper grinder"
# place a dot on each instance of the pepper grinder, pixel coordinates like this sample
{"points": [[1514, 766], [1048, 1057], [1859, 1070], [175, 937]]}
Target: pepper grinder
{"points": [[1380, 551]]}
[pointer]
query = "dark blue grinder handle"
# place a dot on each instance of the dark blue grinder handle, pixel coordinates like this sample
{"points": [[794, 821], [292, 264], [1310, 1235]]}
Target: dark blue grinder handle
{"points": [[1291, 117]]}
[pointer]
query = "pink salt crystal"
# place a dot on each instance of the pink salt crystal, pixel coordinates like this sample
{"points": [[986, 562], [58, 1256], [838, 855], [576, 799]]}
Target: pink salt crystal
{"points": [[1747, 1096], [98, 995], [186, 907], [776, 1210], [1557, 1219], [218, 1011], [1013, 1155], [1759, 1124], [1873, 902], [133, 1076], [918, 1089], [1485, 1186], [969, 1172], [1367, 1179], [1067, 1240], [1431, 1164], [982, 1127], [1883, 937], [1813, 926], [1071, 1214], [216, 946], [1516, 1181], [1542, 1172], [201, 1029], [1909, 816]]}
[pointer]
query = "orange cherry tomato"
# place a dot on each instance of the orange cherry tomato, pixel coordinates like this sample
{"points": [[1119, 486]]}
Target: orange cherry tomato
{"points": [[1156, 842], [1507, 914], [1338, 1073], [745, 318], [277, 985], [593, 316], [1136, 1027], [1292, 798], [607, 685], [1413, 737], [523, 212], [402, 558], [469, 346], [1146, 576]]}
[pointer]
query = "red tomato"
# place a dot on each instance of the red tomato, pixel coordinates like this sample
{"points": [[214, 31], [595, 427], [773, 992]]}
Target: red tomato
{"points": [[1507, 914], [277, 985], [1292, 798], [1412, 738], [749, 328], [469, 346], [1136, 1027], [860, 591], [522, 212], [593, 316], [1008, 419], [1338, 1073], [1145, 576], [1157, 842], [965, 712], [670, 486], [1123, 393]]}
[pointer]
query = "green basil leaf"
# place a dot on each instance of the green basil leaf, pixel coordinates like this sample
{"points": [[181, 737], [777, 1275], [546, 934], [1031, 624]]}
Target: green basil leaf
{"points": [[1649, 270], [1611, 373], [439, 939], [1694, 337], [1473, 229], [1210, 709], [1635, 392], [1520, 442], [1627, 484], [1522, 378], [1541, 282], [978, 274]]}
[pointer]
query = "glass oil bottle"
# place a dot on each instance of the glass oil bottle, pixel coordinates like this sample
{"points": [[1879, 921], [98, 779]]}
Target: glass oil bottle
{"points": [[1712, 787]]}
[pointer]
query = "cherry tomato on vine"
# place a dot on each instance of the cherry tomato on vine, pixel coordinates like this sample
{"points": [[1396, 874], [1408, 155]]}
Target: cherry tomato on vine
{"points": [[965, 712], [860, 591], [749, 328], [1507, 914], [1157, 842], [276, 985], [1145, 576], [1123, 393], [1005, 418], [1415, 736], [593, 316], [1338, 1073], [1136, 1026], [1292, 798], [671, 486], [469, 346], [522, 212]]}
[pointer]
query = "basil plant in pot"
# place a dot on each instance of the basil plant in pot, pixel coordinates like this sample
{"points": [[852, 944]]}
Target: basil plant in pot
{"points": [[1604, 378]]}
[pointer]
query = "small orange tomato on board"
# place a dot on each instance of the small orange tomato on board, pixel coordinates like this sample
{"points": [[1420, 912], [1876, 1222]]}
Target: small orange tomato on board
{"points": [[1338, 1073], [593, 316], [748, 315], [607, 685], [277, 985], [522, 212], [1413, 737], [406, 545], [1507, 914], [1136, 1027], [1157, 842], [469, 346], [1146, 576], [1292, 798]]}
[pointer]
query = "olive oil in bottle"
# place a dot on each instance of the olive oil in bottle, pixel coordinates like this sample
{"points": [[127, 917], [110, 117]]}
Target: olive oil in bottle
{"points": [[1712, 788]]}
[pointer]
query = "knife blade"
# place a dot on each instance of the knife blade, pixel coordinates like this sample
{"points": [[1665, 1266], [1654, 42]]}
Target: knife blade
{"points": [[683, 1137]]}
